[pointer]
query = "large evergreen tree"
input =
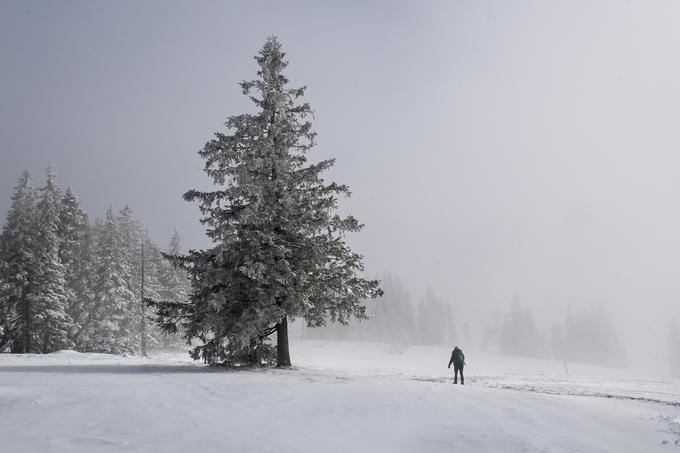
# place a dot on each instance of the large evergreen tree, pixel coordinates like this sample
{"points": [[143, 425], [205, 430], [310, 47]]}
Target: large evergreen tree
{"points": [[279, 249], [18, 261], [131, 236], [110, 326], [77, 256], [51, 322], [152, 287]]}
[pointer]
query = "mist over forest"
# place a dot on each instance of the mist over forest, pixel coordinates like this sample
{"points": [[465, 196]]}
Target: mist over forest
{"points": [[514, 166], [105, 256]]}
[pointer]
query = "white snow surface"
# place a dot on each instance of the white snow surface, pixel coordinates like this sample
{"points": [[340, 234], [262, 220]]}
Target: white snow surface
{"points": [[340, 397]]}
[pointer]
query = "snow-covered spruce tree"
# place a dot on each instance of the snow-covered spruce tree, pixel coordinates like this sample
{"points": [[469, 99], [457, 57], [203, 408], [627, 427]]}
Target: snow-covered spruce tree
{"points": [[109, 328], [279, 249], [51, 322], [76, 254], [18, 261], [5, 312], [131, 237], [154, 264], [175, 286]]}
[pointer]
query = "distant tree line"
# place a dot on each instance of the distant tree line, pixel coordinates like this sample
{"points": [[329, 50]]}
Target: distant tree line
{"points": [[398, 321], [66, 283], [587, 337]]}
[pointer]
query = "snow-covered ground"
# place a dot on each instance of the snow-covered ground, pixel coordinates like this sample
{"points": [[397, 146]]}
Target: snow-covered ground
{"points": [[340, 397]]}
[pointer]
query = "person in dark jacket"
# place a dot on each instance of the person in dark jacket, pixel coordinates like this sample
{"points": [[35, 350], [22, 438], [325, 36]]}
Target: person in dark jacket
{"points": [[458, 360]]}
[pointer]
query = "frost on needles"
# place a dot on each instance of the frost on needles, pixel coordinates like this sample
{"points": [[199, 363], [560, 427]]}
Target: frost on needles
{"points": [[279, 251]]}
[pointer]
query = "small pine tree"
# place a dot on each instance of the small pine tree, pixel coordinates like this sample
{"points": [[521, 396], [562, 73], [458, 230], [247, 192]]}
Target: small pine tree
{"points": [[279, 249]]}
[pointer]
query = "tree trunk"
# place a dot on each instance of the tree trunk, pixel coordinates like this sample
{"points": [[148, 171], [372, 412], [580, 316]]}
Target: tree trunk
{"points": [[26, 340], [282, 351]]}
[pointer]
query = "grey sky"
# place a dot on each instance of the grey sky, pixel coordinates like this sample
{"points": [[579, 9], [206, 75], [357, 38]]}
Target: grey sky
{"points": [[491, 147]]}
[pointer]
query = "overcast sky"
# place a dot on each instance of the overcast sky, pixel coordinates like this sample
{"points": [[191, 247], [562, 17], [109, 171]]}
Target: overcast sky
{"points": [[491, 147]]}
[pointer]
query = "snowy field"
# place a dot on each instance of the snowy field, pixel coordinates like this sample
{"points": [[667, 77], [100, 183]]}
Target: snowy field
{"points": [[340, 397]]}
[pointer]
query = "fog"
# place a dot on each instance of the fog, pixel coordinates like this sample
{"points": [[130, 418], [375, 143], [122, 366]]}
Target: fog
{"points": [[495, 150]]}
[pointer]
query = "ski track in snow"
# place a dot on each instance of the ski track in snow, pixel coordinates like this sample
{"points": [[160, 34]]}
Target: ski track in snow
{"points": [[564, 389], [630, 389], [340, 398]]}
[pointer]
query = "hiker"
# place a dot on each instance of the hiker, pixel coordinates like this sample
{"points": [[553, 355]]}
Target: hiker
{"points": [[458, 360]]}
